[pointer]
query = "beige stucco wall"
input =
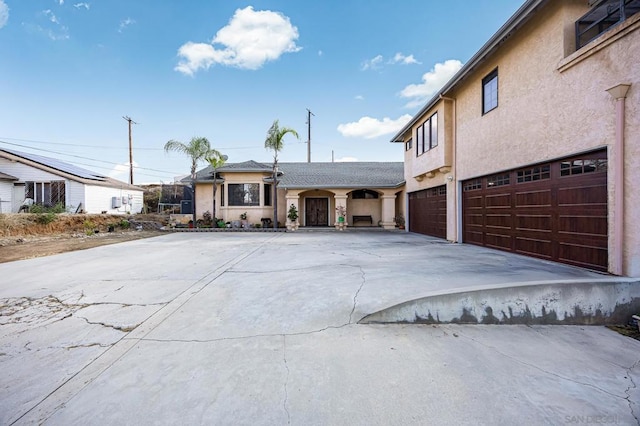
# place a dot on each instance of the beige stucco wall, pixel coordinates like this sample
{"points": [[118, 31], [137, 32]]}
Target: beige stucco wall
{"points": [[204, 199], [552, 103], [436, 160]]}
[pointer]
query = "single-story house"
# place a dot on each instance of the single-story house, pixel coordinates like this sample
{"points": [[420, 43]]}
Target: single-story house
{"points": [[30, 178], [372, 193], [532, 147]]}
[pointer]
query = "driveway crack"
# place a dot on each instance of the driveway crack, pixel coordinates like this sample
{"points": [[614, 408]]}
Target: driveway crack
{"points": [[355, 297], [124, 329], [458, 333], [628, 391]]}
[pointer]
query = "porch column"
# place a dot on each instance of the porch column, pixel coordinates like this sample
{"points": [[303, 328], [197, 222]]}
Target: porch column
{"points": [[388, 211], [293, 197], [341, 200], [619, 93]]}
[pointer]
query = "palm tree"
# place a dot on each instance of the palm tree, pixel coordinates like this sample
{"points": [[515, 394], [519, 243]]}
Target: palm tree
{"points": [[216, 160], [274, 141], [198, 149]]}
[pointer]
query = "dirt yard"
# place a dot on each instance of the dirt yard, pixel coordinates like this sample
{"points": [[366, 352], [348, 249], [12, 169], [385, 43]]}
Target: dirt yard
{"points": [[25, 236]]}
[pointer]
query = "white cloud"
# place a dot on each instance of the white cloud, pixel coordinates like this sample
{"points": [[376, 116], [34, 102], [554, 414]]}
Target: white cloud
{"points": [[197, 55], [378, 61], [55, 30], [372, 64], [399, 58], [346, 160], [320, 53], [431, 82], [79, 5], [359, 98], [248, 41], [370, 128], [60, 2], [4, 13], [49, 14], [125, 23]]}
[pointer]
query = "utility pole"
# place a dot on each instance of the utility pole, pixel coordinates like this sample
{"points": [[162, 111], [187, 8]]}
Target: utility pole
{"points": [[309, 114], [127, 118]]}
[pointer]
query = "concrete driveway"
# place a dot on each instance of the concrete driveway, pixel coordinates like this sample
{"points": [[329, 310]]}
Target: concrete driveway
{"points": [[261, 328]]}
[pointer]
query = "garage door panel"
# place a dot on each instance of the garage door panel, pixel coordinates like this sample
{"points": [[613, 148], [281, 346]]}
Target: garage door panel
{"points": [[595, 195], [500, 221], [539, 198], [428, 212], [583, 255], [540, 248], [498, 240], [533, 222], [555, 211], [583, 225], [498, 200]]}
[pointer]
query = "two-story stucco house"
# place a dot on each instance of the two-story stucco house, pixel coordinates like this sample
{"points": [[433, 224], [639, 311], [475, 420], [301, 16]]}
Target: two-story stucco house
{"points": [[534, 145], [372, 193]]}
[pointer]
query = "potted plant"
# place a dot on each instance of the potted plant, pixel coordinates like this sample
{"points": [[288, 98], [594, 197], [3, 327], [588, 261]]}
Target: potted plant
{"points": [[399, 221], [243, 220], [292, 215]]}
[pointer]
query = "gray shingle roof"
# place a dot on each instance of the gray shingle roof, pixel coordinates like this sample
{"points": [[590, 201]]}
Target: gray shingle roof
{"points": [[58, 165], [323, 175], [78, 173]]}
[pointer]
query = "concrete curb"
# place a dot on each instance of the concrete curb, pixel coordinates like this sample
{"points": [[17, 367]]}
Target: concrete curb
{"points": [[589, 302]]}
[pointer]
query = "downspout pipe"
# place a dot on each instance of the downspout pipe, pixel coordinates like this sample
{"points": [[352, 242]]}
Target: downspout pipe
{"points": [[619, 93]]}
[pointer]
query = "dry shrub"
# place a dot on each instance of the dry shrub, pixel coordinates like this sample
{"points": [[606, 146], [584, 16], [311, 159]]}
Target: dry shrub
{"points": [[26, 224]]}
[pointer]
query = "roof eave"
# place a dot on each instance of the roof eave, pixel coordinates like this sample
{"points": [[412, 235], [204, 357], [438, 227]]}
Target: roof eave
{"points": [[517, 20], [346, 186]]}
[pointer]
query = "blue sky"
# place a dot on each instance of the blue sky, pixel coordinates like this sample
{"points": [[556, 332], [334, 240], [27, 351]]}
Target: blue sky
{"points": [[225, 70]]}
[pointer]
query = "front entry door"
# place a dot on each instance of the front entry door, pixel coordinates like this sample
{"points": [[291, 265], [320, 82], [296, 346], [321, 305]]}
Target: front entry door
{"points": [[316, 212]]}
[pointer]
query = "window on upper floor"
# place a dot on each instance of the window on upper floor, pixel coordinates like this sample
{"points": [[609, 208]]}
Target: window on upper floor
{"points": [[604, 15], [490, 92], [408, 144], [427, 135]]}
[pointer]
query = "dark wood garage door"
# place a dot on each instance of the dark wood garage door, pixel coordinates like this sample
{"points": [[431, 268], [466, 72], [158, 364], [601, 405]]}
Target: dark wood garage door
{"points": [[428, 212], [555, 211]]}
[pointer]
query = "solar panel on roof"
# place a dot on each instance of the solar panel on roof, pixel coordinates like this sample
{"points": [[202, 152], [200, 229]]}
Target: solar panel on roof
{"points": [[58, 165]]}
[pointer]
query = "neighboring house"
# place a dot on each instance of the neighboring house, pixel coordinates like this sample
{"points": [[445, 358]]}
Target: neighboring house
{"points": [[47, 181], [373, 192], [526, 149]]}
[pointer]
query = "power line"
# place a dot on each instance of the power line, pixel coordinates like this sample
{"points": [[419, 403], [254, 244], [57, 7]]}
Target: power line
{"points": [[86, 158], [119, 148], [77, 145]]}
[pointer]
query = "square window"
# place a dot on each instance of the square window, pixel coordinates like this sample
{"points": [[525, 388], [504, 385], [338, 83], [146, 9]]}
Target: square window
{"points": [[490, 92], [244, 194], [407, 145]]}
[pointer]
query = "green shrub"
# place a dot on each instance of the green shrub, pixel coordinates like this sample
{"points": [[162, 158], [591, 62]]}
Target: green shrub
{"points": [[124, 224], [89, 227], [45, 218], [38, 209]]}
